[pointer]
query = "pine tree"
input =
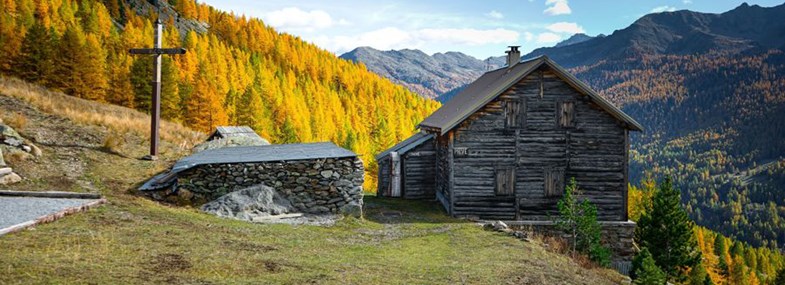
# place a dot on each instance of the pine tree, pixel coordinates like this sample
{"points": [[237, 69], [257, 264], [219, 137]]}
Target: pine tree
{"points": [[71, 57], [667, 231], [170, 91], [141, 80], [698, 274], [780, 279], [141, 75], [738, 272], [120, 91], [36, 62], [250, 112], [93, 71], [288, 132], [645, 271], [579, 220]]}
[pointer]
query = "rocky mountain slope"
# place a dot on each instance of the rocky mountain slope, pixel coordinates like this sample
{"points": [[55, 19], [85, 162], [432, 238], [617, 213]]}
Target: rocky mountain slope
{"points": [[427, 75]]}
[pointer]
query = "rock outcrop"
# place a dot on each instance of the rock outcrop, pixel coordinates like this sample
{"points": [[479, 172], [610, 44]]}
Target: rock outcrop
{"points": [[249, 203], [11, 141]]}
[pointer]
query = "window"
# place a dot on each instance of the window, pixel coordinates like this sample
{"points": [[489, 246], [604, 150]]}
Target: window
{"points": [[505, 181], [554, 182], [514, 114], [566, 114]]}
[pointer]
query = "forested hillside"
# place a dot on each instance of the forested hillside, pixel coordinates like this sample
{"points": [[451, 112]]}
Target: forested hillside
{"points": [[723, 260], [237, 71]]}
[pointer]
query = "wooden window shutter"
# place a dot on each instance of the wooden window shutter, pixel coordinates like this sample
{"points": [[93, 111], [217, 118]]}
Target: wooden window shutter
{"points": [[512, 112], [554, 182], [505, 181], [566, 114]]}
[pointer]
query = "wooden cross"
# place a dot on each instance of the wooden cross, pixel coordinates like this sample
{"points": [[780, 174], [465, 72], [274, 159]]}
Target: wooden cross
{"points": [[155, 115]]}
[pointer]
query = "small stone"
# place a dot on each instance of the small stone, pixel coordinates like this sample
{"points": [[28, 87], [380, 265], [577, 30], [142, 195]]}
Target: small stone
{"points": [[27, 148], [2, 162], [500, 226], [10, 178], [320, 209], [327, 173]]}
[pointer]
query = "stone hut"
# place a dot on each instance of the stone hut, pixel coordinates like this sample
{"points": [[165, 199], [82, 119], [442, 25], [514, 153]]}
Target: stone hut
{"points": [[315, 177], [223, 132]]}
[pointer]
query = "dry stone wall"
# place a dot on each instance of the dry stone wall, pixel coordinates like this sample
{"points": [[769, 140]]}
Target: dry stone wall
{"points": [[616, 235], [330, 185]]}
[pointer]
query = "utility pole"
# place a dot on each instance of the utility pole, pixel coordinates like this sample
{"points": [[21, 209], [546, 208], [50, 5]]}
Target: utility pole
{"points": [[155, 112]]}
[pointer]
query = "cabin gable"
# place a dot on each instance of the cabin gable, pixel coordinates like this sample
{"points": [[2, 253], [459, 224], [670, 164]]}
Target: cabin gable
{"points": [[546, 131]]}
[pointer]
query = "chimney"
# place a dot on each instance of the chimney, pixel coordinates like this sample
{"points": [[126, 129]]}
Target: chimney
{"points": [[513, 56]]}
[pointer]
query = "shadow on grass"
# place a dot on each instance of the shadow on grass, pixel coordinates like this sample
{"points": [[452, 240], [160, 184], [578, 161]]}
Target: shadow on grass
{"points": [[385, 210]]}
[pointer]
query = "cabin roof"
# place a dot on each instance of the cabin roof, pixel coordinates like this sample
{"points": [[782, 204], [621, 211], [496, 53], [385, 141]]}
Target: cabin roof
{"points": [[407, 144], [249, 154], [234, 131], [493, 83]]}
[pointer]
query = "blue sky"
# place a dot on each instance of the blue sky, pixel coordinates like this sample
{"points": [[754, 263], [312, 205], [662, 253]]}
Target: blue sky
{"points": [[477, 28]]}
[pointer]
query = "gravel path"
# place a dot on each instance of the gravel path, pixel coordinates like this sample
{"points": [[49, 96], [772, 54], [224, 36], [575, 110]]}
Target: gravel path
{"points": [[17, 210]]}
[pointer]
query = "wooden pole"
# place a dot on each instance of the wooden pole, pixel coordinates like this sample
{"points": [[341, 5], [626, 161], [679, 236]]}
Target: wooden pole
{"points": [[155, 113]]}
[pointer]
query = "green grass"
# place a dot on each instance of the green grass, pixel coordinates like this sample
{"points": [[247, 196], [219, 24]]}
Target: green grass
{"points": [[133, 240], [138, 241]]}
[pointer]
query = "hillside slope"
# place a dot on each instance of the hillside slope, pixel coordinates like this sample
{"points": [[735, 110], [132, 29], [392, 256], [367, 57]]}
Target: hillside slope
{"points": [[237, 71], [134, 240]]}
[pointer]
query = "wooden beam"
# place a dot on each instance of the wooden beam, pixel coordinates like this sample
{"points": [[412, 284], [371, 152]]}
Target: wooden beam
{"points": [[157, 51]]}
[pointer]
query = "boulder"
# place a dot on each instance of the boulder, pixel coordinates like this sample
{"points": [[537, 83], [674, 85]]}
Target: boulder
{"points": [[7, 132], [2, 161], [249, 204], [10, 178], [352, 209]]}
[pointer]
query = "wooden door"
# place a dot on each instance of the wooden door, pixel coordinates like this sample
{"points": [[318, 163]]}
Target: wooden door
{"points": [[395, 176]]}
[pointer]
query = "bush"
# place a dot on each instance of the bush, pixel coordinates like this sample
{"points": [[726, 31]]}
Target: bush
{"points": [[17, 121], [579, 220]]}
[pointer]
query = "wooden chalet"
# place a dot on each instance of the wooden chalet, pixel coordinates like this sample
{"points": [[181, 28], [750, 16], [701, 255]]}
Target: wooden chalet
{"points": [[507, 144]]}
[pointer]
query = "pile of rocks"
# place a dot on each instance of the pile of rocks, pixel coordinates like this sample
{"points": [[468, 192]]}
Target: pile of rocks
{"points": [[11, 141], [314, 186]]}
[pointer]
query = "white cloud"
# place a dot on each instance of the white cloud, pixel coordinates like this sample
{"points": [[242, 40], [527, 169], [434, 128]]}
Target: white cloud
{"points": [[544, 38], [468, 36], [557, 7], [495, 14], [292, 18], [661, 9], [395, 38], [565, 27], [686, 2], [528, 36]]}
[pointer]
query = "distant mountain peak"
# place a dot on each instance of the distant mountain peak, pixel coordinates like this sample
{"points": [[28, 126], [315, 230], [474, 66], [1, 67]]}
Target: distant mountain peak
{"points": [[574, 39]]}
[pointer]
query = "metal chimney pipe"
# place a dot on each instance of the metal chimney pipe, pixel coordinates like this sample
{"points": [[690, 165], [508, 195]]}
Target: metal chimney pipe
{"points": [[513, 56]]}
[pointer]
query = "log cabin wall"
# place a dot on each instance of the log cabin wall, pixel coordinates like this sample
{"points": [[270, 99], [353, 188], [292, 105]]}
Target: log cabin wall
{"points": [[383, 183], [538, 142], [442, 177], [419, 171]]}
